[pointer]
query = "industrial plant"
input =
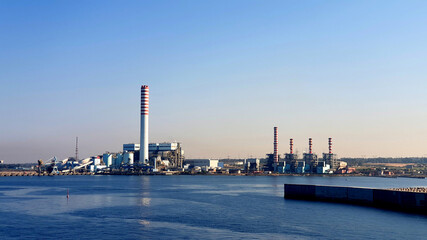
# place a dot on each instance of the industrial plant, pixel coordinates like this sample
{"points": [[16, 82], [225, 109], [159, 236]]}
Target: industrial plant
{"points": [[143, 157], [154, 158], [309, 163]]}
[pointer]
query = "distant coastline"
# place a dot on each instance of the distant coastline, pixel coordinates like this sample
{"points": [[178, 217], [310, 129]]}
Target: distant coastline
{"points": [[23, 173]]}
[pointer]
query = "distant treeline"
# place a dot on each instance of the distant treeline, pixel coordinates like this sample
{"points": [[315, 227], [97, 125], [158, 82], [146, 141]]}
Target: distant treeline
{"points": [[360, 161]]}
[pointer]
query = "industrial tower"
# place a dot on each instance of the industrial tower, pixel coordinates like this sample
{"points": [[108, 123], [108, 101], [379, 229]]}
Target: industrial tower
{"points": [[276, 143], [331, 158], [310, 158], [143, 152], [291, 157]]}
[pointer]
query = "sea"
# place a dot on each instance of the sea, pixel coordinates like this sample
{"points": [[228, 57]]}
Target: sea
{"points": [[194, 207]]}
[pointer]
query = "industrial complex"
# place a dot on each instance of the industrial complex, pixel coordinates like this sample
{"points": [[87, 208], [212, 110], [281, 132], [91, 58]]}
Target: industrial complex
{"points": [[309, 163], [144, 157], [156, 158]]}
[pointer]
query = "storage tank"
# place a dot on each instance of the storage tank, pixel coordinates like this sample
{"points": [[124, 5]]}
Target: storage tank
{"points": [[128, 158], [118, 160], [108, 159]]}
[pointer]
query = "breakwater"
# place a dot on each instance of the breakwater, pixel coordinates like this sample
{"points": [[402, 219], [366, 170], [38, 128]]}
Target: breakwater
{"points": [[415, 202], [33, 173]]}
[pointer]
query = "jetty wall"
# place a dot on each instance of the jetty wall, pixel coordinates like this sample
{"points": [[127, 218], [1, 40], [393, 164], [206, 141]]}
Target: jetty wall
{"points": [[382, 198]]}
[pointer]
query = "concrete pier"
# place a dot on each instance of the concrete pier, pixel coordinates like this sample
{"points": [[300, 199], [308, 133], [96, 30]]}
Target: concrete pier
{"points": [[415, 202]]}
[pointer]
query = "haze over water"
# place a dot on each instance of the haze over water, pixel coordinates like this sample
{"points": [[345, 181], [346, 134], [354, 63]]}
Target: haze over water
{"points": [[193, 207]]}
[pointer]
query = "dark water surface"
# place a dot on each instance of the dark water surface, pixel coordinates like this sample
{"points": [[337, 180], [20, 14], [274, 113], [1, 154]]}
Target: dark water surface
{"points": [[193, 207]]}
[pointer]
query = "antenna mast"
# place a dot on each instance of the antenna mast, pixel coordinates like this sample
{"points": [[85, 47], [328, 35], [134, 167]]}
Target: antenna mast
{"points": [[77, 148]]}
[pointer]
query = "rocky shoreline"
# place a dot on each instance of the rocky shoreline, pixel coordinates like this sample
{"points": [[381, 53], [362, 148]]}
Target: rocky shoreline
{"points": [[411, 189]]}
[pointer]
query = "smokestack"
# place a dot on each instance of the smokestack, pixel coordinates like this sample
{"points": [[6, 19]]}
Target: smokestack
{"points": [[291, 146], [330, 145], [276, 141], [143, 151], [310, 144]]}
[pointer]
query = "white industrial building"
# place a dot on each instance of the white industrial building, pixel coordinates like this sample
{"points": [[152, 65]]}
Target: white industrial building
{"points": [[96, 160], [211, 163]]}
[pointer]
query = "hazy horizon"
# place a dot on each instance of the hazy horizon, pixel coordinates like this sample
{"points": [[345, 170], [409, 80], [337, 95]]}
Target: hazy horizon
{"points": [[221, 74]]}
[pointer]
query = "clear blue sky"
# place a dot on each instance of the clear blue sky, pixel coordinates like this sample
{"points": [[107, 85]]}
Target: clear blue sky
{"points": [[221, 75]]}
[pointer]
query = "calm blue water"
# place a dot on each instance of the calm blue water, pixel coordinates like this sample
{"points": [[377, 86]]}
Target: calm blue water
{"points": [[193, 207]]}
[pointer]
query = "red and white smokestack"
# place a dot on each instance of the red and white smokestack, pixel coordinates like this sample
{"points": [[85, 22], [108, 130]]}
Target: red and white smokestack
{"points": [[291, 146], [330, 145], [143, 151], [310, 146], [276, 142]]}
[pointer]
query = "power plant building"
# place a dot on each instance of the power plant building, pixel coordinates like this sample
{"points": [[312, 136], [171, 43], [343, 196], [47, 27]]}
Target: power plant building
{"points": [[131, 147], [252, 164], [171, 152], [210, 163]]}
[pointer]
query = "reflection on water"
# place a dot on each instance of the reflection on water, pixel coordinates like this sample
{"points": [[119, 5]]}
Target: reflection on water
{"points": [[146, 202], [144, 222]]}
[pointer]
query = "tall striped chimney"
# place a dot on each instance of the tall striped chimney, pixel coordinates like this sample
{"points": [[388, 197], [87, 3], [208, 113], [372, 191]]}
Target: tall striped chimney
{"points": [[330, 145], [276, 141], [143, 151], [291, 146], [310, 144]]}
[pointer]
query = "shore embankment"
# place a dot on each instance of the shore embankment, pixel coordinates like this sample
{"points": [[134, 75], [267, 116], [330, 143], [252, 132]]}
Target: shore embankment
{"points": [[11, 173], [402, 199], [34, 173], [411, 189]]}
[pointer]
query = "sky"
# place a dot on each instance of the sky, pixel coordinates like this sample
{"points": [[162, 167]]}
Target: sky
{"points": [[221, 74]]}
